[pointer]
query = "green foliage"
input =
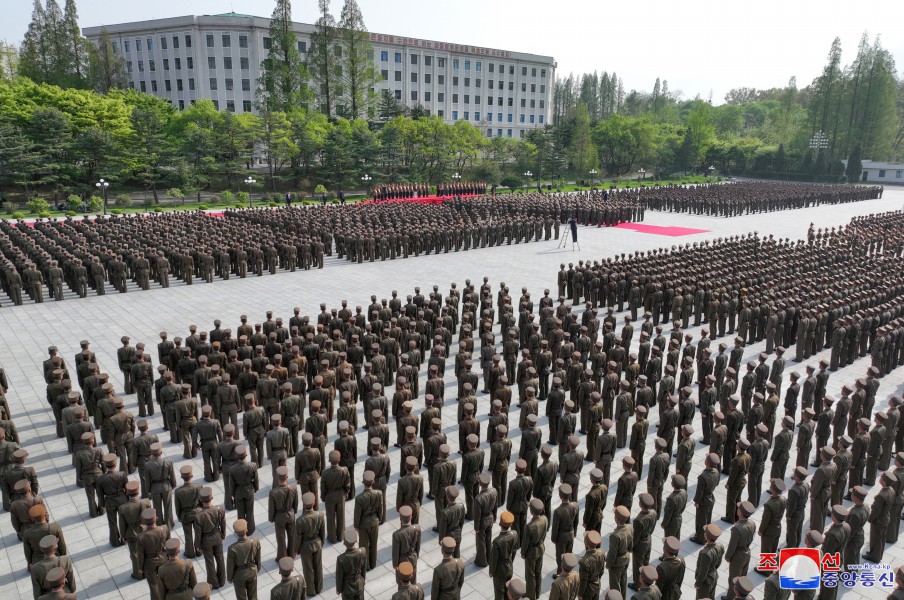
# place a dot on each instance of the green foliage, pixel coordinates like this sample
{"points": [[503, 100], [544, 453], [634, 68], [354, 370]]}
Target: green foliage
{"points": [[115, 211], [73, 202], [158, 209], [511, 182], [272, 204], [71, 213], [284, 76], [44, 214], [174, 193], [243, 197], [203, 207], [855, 165], [123, 201], [227, 197], [359, 75], [324, 61], [38, 205], [320, 189], [95, 204], [18, 215]]}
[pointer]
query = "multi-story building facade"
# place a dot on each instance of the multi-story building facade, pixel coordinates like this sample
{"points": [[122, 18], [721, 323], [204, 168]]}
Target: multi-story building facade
{"points": [[184, 59]]}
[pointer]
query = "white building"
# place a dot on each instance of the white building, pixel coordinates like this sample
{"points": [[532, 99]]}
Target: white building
{"points": [[184, 59], [881, 172]]}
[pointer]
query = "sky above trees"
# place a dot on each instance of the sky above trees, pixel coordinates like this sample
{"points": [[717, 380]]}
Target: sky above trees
{"points": [[699, 47]]}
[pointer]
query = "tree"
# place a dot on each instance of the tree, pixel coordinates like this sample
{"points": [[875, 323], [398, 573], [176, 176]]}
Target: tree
{"points": [[195, 128], [34, 58], [50, 132], [152, 149], [275, 136], [854, 165], [98, 156], [780, 162], [359, 73], [235, 138], [625, 142], [389, 107], [284, 76], [9, 61], [106, 68], [18, 162], [323, 61], [582, 153], [76, 46]]}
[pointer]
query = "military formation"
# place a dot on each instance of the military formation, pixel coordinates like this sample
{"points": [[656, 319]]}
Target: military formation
{"points": [[721, 200], [571, 435]]}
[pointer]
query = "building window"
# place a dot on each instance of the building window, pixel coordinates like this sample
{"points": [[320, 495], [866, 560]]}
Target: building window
{"points": [[216, 104], [476, 83], [521, 118], [898, 174], [498, 133], [227, 63], [153, 85], [454, 115], [414, 95], [178, 62], [476, 99], [128, 45], [243, 43], [489, 101], [533, 88], [230, 106], [141, 66], [150, 44], [441, 97], [191, 84], [524, 71], [246, 85], [541, 119], [511, 69], [398, 76], [398, 94], [143, 86], [455, 81], [213, 84], [181, 104], [498, 100], [243, 62], [523, 87], [210, 40], [489, 132], [509, 133], [523, 103], [467, 99], [385, 74], [477, 66], [189, 62], [302, 46], [163, 43], [427, 78], [476, 116], [467, 116], [428, 61], [543, 73], [532, 118], [384, 55], [467, 65], [166, 64], [116, 47], [167, 85], [542, 89], [491, 82], [509, 119], [492, 65], [427, 96], [441, 62], [542, 103], [179, 85], [188, 41], [533, 104], [227, 42], [211, 63], [454, 98], [881, 172], [511, 86], [246, 105], [398, 57], [499, 117], [137, 45], [414, 78], [414, 59], [175, 41], [229, 85], [489, 117], [441, 79], [266, 43], [129, 66], [501, 69], [455, 63]]}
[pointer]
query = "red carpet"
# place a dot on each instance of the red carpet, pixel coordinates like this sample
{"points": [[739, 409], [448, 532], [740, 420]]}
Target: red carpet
{"points": [[659, 230]]}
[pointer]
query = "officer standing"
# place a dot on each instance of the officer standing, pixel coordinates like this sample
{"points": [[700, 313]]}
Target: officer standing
{"points": [[210, 531], [502, 554], [533, 548], [89, 467], [49, 561], [644, 524], [290, 587], [773, 512], [243, 485], [592, 566], [243, 562], [310, 534], [150, 550], [453, 518], [621, 542], [130, 523], [351, 568], [449, 575], [671, 569], [485, 505], [368, 514], [207, 434], [567, 581], [176, 577], [335, 489], [708, 561], [406, 542], [187, 498], [282, 504], [704, 499], [737, 555]]}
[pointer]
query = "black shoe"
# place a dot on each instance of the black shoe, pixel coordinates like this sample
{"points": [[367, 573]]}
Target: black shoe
{"points": [[633, 586], [697, 540], [726, 520], [436, 529]]}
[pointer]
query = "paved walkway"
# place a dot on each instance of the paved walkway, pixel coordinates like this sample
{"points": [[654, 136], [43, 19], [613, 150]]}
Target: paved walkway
{"points": [[103, 572]]}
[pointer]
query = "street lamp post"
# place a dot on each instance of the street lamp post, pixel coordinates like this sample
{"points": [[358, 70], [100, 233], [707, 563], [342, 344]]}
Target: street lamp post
{"points": [[102, 186], [643, 174], [250, 181], [528, 174], [593, 173], [710, 170], [366, 179], [819, 141]]}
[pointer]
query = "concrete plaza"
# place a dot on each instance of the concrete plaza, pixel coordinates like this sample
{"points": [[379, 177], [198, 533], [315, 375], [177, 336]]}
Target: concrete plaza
{"points": [[103, 572]]}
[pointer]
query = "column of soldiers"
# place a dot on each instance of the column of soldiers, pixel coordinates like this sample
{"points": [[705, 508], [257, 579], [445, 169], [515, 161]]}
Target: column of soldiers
{"points": [[733, 199], [597, 384]]}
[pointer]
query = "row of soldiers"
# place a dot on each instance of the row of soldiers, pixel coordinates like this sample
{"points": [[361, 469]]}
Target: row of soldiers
{"points": [[733, 199]]}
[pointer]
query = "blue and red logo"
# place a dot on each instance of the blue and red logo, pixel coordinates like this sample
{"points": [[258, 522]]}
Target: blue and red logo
{"points": [[800, 568]]}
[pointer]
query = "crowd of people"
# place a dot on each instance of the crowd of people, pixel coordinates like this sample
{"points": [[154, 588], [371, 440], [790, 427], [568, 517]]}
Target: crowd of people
{"points": [[400, 191], [338, 402], [733, 199]]}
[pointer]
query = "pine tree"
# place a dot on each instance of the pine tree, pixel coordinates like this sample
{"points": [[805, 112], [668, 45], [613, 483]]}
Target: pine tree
{"points": [[780, 163], [106, 68], [34, 54], [57, 40], [854, 165], [283, 73], [359, 73], [323, 61], [9, 59], [77, 46]]}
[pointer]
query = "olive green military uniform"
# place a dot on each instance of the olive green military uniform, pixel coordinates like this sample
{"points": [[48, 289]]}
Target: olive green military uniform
{"points": [[243, 563]]}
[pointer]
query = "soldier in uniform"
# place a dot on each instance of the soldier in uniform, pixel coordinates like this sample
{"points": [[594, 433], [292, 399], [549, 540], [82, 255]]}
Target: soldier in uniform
{"points": [[858, 517], [88, 467], [47, 563], [111, 494], [773, 512], [243, 562], [644, 524], [310, 535], [879, 516], [126, 356], [533, 548], [369, 511], [708, 561], [519, 495], [176, 577], [737, 555], [162, 477], [449, 575], [226, 457], [151, 550], [704, 498], [186, 417], [206, 435], [621, 542], [243, 485], [406, 542], [485, 505], [737, 479], [671, 569], [820, 489], [254, 424], [595, 502], [335, 489], [797, 504], [351, 568], [290, 586], [130, 523], [567, 581], [282, 504], [278, 444], [502, 554], [673, 510], [592, 565]]}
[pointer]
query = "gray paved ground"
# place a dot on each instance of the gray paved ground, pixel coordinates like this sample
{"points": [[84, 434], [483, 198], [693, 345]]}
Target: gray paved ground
{"points": [[103, 572]]}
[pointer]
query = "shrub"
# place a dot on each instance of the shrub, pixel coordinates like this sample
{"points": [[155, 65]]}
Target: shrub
{"points": [[74, 203], [174, 193], [158, 209], [216, 198], [273, 204], [18, 215], [123, 200], [71, 213], [243, 197], [37, 206], [320, 189], [116, 211], [44, 215], [95, 204], [227, 196], [202, 207], [240, 205]]}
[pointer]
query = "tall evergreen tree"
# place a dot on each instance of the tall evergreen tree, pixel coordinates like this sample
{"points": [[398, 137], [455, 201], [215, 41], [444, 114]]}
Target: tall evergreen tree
{"points": [[284, 76], [34, 55], [76, 45], [9, 59], [106, 68], [359, 73], [324, 61]]}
